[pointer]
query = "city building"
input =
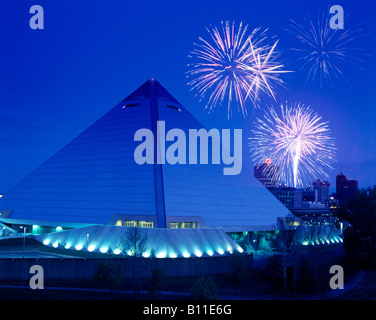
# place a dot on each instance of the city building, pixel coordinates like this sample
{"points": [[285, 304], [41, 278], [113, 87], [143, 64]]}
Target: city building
{"points": [[313, 205], [321, 189], [95, 180], [332, 202], [268, 174], [288, 196], [308, 195], [345, 189], [317, 216]]}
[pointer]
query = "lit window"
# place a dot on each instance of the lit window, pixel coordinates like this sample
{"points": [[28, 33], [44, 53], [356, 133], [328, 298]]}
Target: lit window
{"points": [[145, 224], [174, 225], [141, 224], [130, 223], [183, 225]]}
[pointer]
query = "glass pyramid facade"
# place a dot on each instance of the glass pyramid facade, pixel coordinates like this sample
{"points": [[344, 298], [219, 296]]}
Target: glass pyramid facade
{"points": [[94, 179]]}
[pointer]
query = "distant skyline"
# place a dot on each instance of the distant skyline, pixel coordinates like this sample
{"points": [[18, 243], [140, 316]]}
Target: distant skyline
{"points": [[56, 82]]}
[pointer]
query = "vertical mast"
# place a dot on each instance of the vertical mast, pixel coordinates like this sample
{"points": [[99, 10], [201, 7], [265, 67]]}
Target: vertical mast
{"points": [[158, 157]]}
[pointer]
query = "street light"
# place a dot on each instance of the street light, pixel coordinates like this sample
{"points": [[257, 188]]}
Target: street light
{"points": [[23, 254]]}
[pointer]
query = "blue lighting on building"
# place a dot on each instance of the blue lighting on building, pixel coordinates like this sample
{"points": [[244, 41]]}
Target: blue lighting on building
{"points": [[166, 243], [103, 249], [161, 255], [198, 253]]}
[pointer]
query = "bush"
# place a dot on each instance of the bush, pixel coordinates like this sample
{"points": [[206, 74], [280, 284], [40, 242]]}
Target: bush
{"points": [[204, 289], [157, 281], [106, 276]]}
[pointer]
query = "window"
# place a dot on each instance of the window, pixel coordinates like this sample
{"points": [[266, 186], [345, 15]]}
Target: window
{"points": [[130, 223], [145, 224], [174, 225], [182, 225], [141, 224]]}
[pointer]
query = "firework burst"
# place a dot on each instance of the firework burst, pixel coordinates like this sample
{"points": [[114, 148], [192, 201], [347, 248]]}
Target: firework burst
{"points": [[323, 50], [296, 141], [234, 67]]}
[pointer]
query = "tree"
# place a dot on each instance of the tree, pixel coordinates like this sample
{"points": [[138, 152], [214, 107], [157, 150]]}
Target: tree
{"points": [[276, 270], [342, 213], [236, 260], [307, 238], [133, 242], [280, 263], [360, 236]]}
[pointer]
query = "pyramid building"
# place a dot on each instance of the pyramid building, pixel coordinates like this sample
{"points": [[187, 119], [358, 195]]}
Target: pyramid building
{"points": [[95, 180]]}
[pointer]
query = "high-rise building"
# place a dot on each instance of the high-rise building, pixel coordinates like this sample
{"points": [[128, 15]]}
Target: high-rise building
{"points": [[291, 198], [267, 173], [321, 189], [332, 202], [345, 188], [308, 194]]}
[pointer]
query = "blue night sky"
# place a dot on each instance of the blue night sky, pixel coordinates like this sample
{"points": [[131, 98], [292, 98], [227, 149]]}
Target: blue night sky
{"points": [[55, 82]]}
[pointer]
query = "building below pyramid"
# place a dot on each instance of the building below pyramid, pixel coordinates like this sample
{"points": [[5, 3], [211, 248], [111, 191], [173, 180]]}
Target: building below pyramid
{"points": [[95, 181]]}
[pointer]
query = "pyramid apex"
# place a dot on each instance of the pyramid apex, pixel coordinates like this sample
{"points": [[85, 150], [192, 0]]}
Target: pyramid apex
{"points": [[145, 92]]}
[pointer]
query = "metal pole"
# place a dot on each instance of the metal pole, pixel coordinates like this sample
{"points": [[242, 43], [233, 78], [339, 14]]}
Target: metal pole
{"points": [[23, 250]]}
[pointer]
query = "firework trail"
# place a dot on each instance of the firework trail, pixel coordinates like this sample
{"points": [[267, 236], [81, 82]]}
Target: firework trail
{"points": [[297, 142], [233, 67], [323, 50]]}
